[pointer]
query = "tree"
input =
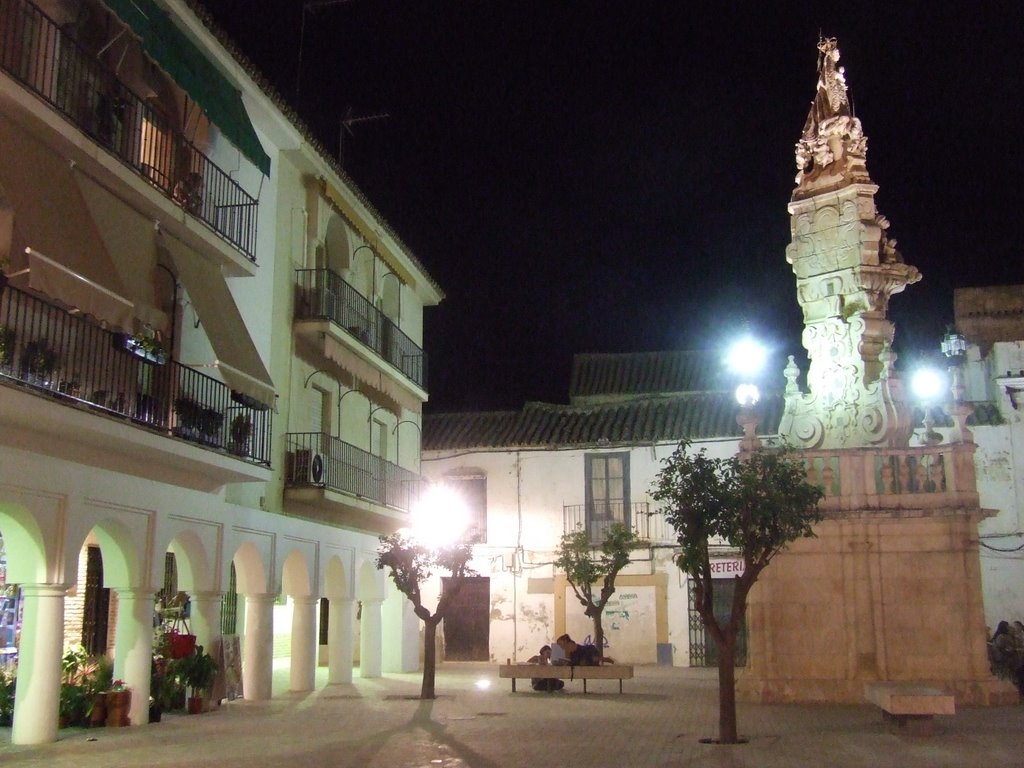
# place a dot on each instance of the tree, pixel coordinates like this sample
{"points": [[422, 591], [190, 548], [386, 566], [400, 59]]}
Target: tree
{"points": [[412, 563], [757, 503], [584, 568]]}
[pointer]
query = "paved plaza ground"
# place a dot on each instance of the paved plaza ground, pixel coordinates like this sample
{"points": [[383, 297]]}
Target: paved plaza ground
{"points": [[658, 721]]}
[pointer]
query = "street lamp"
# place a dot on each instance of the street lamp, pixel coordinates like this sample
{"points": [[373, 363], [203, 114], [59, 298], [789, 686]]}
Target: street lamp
{"points": [[746, 359], [440, 517], [928, 384]]}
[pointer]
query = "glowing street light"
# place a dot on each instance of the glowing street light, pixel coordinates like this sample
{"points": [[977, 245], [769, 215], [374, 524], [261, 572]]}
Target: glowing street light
{"points": [[439, 518], [746, 357], [747, 395], [928, 385]]}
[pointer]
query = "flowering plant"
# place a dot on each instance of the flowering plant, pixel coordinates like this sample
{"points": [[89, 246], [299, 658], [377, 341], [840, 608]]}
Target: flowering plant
{"points": [[118, 685]]}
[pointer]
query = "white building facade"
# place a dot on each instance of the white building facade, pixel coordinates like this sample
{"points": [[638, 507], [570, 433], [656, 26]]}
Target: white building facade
{"points": [[191, 290], [532, 475]]}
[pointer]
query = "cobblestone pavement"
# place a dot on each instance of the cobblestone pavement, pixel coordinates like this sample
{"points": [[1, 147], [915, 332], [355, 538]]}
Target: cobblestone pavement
{"points": [[658, 721]]}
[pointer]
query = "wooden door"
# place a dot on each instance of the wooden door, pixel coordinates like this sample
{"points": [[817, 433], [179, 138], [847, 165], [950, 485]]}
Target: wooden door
{"points": [[467, 623]]}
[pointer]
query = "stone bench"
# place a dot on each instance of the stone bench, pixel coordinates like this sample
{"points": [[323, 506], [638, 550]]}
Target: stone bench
{"points": [[901, 702], [618, 672]]}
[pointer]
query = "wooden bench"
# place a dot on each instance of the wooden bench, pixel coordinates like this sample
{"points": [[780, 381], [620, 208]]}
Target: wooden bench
{"points": [[901, 702], [618, 672]]}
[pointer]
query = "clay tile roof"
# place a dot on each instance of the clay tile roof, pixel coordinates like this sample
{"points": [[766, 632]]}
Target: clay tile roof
{"points": [[700, 415], [602, 376]]}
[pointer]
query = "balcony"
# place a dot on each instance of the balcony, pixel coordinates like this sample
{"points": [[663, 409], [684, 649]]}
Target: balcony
{"points": [[333, 481], [49, 355], [648, 527], [36, 52], [323, 295]]}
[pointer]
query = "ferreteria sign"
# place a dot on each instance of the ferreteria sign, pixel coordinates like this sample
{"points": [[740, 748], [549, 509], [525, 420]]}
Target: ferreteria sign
{"points": [[726, 567]]}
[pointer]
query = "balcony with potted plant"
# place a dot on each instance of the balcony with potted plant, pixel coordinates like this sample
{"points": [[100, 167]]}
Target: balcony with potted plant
{"points": [[120, 403]]}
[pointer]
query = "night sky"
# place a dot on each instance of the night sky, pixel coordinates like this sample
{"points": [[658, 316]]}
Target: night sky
{"points": [[613, 177]]}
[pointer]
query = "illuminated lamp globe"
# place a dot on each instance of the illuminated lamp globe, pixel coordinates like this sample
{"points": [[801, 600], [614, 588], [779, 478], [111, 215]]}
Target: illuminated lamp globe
{"points": [[747, 395], [439, 518], [927, 384]]}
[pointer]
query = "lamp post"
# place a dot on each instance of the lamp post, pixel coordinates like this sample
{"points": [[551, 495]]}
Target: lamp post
{"points": [[745, 360], [928, 384], [954, 347]]}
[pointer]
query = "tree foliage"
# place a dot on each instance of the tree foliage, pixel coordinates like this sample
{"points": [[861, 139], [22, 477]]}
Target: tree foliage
{"points": [[411, 563], [585, 567], [755, 503]]}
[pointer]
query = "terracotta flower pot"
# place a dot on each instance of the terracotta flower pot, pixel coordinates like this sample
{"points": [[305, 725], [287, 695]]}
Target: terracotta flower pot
{"points": [[118, 704], [195, 705], [98, 716]]}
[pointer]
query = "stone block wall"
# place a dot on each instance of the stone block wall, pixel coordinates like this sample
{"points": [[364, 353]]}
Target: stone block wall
{"points": [[873, 597]]}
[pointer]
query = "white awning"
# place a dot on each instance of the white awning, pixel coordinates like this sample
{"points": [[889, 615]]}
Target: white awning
{"points": [[54, 246], [54, 279], [238, 360], [130, 240]]}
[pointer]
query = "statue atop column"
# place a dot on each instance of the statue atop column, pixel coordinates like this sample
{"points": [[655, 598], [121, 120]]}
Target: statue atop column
{"points": [[846, 268]]}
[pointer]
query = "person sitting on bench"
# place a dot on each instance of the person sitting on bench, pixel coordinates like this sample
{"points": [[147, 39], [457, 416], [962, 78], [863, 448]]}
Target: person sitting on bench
{"points": [[581, 655], [548, 684]]}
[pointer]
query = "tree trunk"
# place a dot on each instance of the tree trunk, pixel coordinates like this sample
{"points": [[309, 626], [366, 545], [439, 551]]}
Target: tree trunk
{"points": [[727, 689], [429, 657], [599, 633]]}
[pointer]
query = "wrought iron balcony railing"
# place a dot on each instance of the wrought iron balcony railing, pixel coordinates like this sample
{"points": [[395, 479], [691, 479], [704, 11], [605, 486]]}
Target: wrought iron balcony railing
{"points": [[49, 62], [595, 519], [324, 295], [317, 459], [52, 352]]}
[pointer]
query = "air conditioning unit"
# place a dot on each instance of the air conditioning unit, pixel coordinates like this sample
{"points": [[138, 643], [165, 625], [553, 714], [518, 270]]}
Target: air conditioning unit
{"points": [[317, 469]]}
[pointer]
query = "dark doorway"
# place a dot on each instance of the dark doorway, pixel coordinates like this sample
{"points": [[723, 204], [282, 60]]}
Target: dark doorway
{"points": [[97, 605], [703, 651], [467, 622]]}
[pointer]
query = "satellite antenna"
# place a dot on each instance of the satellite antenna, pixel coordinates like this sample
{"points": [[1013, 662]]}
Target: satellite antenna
{"points": [[346, 127]]}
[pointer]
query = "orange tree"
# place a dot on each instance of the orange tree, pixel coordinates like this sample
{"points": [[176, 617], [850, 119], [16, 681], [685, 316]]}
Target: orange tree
{"points": [[411, 563], [585, 566], [756, 503]]}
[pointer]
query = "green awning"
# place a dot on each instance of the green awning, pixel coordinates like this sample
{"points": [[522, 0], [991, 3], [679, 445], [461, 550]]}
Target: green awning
{"points": [[169, 47]]}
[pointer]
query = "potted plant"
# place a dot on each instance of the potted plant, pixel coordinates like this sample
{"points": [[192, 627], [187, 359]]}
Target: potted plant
{"points": [[119, 702], [197, 673], [7, 339], [102, 680], [145, 345], [75, 692], [38, 361], [189, 413], [241, 428], [8, 681], [210, 421]]}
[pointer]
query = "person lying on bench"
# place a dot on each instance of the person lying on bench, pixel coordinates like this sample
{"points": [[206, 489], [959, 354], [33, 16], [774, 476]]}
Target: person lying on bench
{"points": [[548, 684], [578, 655]]}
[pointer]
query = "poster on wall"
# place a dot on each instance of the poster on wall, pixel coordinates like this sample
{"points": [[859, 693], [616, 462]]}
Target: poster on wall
{"points": [[629, 622], [231, 664]]}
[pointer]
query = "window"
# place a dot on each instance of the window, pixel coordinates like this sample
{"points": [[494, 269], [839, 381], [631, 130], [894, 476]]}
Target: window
{"points": [[607, 491], [379, 439], [473, 490]]}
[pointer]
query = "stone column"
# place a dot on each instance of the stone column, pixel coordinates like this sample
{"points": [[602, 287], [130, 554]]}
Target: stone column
{"points": [[133, 648], [370, 639], [42, 640], [340, 635], [303, 666], [258, 647], [205, 619]]}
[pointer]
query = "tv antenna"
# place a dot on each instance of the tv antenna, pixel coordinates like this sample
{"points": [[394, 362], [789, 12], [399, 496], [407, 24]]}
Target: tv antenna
{"points": [[310, 6], [346, 127]]}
